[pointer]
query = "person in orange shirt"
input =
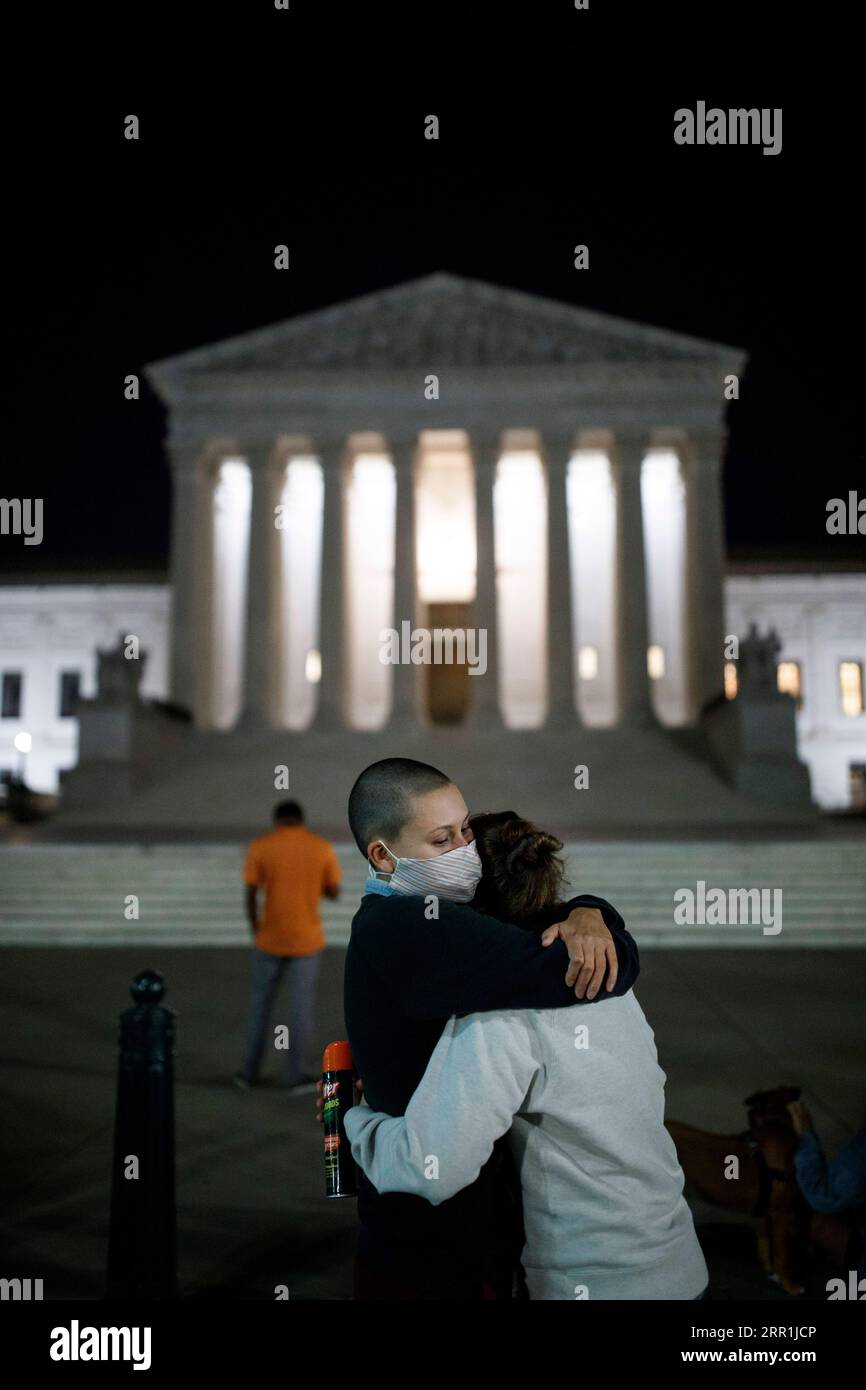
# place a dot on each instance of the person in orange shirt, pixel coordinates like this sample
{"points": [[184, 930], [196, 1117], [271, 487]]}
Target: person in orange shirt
{"points": [[295, 868]]}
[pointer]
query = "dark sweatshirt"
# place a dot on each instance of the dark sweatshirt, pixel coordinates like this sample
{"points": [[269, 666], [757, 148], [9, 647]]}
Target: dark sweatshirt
{"points": [[405, 977]]}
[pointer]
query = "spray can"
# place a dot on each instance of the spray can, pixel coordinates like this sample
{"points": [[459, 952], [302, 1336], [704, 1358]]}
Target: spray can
{"points": [[338, 1095]]}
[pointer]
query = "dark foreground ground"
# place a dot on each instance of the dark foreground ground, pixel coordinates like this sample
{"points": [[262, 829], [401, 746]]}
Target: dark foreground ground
{"points": [[251, 1210]]}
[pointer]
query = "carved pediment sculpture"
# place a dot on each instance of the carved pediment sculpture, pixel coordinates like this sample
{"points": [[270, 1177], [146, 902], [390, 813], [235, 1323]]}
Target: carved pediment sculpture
{"points": [[437, 321]]}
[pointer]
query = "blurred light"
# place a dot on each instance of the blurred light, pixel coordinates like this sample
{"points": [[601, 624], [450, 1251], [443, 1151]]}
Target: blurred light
{"points": [[313, 667], [23, 742], [445, 501], [587, 663], [731, 680], [300, 544], [520, 545], [591, 504], [788, 679], [369, 593], [851, 687], [664, 532], [655, 661]]}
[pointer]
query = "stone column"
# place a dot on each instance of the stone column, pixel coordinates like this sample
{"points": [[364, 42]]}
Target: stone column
{"points": [[260, 637], [331, 711], [199, 657], [705, 560], [204, 607], [186, 558], [484, 710], [405, 713], [561, 699], [633, 689]]}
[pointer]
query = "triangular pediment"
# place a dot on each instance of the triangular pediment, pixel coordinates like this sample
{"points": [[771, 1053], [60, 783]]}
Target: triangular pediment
{"points": [[439, 321]]}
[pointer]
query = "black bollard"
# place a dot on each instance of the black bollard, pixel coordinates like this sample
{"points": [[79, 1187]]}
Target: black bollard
{"points": [[142, 1239]]}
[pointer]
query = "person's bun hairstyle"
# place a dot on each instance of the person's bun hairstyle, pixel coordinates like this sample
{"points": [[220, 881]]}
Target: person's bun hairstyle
{"points": [[525, 865]]}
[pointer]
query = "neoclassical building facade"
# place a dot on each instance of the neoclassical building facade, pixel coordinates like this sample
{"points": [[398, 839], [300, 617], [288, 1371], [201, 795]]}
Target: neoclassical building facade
{"points": [[457, 457], [460, 523]]}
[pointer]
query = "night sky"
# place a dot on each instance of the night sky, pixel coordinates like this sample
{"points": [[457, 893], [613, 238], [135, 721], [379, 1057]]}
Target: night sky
{"points": [[124, 252]]}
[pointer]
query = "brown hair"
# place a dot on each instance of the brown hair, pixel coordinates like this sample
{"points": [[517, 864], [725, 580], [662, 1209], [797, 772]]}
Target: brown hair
{"points": [[521, 864]]}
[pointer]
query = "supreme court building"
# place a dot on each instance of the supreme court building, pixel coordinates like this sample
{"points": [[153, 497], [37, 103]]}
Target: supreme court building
{"points": [[455, 522], [454, 456]]}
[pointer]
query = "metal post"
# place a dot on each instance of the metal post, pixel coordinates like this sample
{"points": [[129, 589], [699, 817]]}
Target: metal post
{"points": [[142, 1240]]}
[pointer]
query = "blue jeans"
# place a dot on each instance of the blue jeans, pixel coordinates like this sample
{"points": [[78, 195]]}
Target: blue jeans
{"points": [[267, 971]]}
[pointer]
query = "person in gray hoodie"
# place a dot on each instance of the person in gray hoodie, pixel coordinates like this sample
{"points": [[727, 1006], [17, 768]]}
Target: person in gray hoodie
{"points": [[581, 1098]]}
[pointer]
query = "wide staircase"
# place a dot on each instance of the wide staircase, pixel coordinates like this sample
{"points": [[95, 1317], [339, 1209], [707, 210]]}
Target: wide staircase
{"points": [[192, 895]]}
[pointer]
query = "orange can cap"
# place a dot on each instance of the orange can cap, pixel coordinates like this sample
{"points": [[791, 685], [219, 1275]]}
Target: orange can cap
{"points": [[337, 1057]]}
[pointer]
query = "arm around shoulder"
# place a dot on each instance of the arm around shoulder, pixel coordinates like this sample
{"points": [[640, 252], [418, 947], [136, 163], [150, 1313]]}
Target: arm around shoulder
{"points": [[627, 954]]}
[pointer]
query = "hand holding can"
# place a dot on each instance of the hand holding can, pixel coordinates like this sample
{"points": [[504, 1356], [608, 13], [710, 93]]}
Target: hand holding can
{"points": [[338, 1095]]}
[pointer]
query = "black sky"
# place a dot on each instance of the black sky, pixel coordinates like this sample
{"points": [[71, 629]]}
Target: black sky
{"points": [[307, 128]]}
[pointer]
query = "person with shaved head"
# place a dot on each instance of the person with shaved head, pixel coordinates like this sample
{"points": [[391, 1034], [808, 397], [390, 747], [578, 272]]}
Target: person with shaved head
{"points": [[419, 953]]}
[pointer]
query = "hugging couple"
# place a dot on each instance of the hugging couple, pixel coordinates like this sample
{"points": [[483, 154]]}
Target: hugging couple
{"points": [[503, 1056]]}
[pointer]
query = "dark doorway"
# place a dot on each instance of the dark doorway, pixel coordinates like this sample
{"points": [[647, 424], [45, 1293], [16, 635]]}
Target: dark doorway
{"points": [[447, 682]]}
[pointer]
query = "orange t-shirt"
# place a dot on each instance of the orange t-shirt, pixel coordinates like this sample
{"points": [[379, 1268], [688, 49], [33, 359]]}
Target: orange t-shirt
{"points": [[294, 866]]}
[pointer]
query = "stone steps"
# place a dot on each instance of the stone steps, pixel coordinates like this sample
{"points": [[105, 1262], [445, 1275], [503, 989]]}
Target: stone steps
{"points": [[191, 895]]}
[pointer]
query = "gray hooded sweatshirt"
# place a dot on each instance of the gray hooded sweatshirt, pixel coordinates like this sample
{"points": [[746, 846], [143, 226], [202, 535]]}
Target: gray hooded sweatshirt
{"points": [[580, 1094]]}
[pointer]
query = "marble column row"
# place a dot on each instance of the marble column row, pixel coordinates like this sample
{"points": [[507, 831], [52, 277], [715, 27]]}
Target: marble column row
{"points": [[192, 557]]}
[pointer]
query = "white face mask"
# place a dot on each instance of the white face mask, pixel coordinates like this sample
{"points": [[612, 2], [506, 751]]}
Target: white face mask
{"points": [[453, 876]]}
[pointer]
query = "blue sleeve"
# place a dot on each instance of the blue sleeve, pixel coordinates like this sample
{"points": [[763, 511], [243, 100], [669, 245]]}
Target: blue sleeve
{"points": [[831, 1187]]}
